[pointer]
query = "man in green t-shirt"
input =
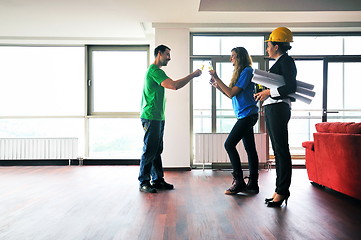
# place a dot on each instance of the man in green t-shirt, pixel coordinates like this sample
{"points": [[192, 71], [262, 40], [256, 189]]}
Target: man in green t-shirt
{"points": [[152, 117]]}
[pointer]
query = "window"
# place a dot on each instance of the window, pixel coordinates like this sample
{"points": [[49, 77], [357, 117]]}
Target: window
{"points": [[326, 45], [42, 92], [43, 95], [222, 45], [212, 111], [202, 99], [119, 138], [305, 116], [314, 55], [342, 93], [42, 81], [116, 77]]}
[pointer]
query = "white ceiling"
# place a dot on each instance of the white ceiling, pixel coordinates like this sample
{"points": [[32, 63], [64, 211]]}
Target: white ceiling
{"points": [[280, 5], [135, 19]]}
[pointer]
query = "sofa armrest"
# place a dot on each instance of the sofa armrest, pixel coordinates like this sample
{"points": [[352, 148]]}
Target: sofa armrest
{"points": [[309, 145], [310, 160]]}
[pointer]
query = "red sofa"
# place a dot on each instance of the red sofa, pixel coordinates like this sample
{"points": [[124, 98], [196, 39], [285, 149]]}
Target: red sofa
{"points": [[333, 159]]}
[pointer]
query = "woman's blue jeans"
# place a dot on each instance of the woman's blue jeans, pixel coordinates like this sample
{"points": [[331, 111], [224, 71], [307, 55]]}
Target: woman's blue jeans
{"points": [[151, 167]]}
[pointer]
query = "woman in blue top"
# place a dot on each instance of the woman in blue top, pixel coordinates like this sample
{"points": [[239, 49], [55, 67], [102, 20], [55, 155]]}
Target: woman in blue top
{"points": [[241, 91]]}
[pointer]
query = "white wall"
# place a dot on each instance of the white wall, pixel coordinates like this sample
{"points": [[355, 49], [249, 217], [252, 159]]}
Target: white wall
{"points": [[177, 124]]}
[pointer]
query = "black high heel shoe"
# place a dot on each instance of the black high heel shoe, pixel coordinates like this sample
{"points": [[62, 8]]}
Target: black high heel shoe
{"points": [[278, 203], [267, 200]]}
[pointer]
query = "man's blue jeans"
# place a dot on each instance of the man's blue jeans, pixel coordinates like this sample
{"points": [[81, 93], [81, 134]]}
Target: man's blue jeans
{"points": [[151, 167]]}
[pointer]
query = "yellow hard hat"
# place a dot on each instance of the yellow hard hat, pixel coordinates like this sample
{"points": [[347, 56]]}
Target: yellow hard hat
{"points": [[280, 34]]}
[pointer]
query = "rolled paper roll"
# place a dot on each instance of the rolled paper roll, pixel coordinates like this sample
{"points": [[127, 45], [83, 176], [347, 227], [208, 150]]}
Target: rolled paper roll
{"points": [[278, 80], [272, 80]]}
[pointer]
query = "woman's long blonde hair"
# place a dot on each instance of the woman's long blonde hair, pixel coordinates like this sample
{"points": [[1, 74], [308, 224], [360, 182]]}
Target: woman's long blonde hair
{"points": [[242, 61]]}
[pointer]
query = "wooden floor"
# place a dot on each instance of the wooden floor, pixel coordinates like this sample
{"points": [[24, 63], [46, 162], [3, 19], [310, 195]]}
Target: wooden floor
{"points": [[104, 202]]}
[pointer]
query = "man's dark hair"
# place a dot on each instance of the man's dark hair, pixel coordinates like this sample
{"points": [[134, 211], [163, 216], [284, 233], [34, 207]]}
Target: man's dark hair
{"points": [[161, 49]]}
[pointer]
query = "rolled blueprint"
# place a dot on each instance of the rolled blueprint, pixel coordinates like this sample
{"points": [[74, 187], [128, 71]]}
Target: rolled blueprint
{"points": [[272, 80], [277, 80], [301, 98]]}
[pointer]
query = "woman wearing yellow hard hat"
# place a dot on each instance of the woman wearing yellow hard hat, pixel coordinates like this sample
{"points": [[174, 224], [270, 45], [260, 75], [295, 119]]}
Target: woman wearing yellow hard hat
{"points": [[277, 107]]}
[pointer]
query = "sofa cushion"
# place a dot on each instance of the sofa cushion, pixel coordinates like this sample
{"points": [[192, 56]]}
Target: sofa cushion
{"points": [[323, 127], [354, 128], [334, 127]]}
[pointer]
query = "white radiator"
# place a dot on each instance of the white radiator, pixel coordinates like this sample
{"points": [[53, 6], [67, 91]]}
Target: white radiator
{"points": [[209, 148], [38, 148]]}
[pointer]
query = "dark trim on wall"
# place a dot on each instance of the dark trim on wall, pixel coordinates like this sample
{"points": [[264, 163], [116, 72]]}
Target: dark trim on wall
{"points": [[35, 162], [178, 169], [65, 162], [90, 162], [85, 162]]}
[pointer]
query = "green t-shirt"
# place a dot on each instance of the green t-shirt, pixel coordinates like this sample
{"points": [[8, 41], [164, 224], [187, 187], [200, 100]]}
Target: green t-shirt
{"points": [[153, 99]]}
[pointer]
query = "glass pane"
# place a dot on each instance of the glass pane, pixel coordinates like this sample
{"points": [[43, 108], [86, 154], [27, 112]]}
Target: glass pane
{"points": [[225, 123], [115, 138], [202, 99], [314, 77], [345, 116], [206, 45], [225, 114], [352, 45], [202, 122], [342, 97], [335, 86], [224, 71], [217, 45], [118, 78], [333, 45], [317, 46], [44, 128], [254, 45], [37, 81], [300, 130], [352, 81]]}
